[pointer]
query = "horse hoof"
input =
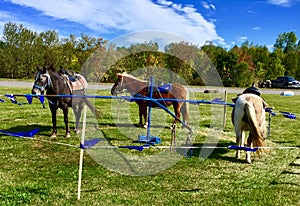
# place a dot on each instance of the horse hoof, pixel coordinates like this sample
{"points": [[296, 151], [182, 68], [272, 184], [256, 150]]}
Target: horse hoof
{"points": [[77, 131], [248, 158], [53, 136], [68, 135]]}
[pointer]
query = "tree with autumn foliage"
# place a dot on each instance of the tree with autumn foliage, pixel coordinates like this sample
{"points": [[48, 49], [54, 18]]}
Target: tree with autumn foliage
{"points": [[22, 49]]}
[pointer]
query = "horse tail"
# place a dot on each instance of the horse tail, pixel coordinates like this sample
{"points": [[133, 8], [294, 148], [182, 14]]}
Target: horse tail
{"points": [[92, 108], [185, 107], [255, 133]]}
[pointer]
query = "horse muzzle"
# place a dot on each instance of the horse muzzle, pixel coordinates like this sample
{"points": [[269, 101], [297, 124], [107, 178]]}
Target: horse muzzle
{"points": [[116, 92], [38, 90]]}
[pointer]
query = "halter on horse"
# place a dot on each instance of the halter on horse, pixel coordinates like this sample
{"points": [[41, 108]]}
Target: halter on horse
{"points": [[48, 79], [140, 88]]}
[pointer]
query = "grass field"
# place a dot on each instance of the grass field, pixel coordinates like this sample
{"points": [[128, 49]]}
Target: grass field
{"points": [[35, 172]]}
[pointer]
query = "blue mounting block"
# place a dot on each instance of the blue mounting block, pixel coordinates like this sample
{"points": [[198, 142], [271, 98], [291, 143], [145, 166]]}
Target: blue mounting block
{"points": [[152, 140]]}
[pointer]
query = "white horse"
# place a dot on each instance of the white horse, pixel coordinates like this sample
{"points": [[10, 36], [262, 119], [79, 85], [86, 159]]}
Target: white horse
{"points": [[249, 115]]}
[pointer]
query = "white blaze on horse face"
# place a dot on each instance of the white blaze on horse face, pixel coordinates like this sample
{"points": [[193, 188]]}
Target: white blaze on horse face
{"points": [[40, 84], [43, 79], [117, 88]]}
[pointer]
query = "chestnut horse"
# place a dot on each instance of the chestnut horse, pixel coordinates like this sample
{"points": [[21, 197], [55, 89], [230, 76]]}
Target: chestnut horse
{"points": [[249, 115], [138, 87]]}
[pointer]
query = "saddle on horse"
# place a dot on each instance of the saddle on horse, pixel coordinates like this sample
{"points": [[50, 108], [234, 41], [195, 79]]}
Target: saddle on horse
{"points": [[74, 81], [162, 88]]}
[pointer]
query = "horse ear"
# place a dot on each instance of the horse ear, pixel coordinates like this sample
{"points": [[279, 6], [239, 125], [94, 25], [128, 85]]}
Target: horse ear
{"points": [[44, 69], [51, 67], [39, 68], [234, 99]]}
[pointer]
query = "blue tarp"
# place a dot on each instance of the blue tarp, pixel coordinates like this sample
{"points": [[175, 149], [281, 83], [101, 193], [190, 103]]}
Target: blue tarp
{"points": [[30, 133]]}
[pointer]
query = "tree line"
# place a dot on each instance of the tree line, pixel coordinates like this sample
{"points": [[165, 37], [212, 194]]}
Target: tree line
{"points": [[22, 49]]}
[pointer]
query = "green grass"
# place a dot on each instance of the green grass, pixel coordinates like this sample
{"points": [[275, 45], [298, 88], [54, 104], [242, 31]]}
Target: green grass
{"points": [[40, 173]]}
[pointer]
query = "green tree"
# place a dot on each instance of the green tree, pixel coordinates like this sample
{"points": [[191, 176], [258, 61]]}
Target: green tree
{"points": [[260, 58], [180, 59], [286, 41], [291, 63], [276, 68], [226, 64], [243, 76], [19, 54]]}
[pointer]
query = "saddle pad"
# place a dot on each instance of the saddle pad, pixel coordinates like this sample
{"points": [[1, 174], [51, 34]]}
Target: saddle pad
{"points": [[165, 88], [79, 84]]}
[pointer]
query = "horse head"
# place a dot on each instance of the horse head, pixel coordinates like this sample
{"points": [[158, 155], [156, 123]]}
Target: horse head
{"points": [[42, 81], [118, 86]]}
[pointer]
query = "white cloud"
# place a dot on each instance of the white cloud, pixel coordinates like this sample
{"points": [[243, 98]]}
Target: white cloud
{"points": [[284, 3], [206, 5], [164, 2], [242, 38], [4, 18], [212, 6], [257, 28], [127, 16]]}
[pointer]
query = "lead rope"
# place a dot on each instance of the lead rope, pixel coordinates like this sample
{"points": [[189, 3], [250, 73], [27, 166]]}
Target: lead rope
{"points": [[173, 140], [269, 125], [120, 101]]}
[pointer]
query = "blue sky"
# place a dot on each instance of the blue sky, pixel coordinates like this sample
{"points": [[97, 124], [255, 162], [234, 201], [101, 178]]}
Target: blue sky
{"points": [[224, 22]]}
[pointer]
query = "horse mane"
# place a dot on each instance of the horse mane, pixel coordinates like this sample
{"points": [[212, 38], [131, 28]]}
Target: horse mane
{"points": [[51, 68], [132, 77]]}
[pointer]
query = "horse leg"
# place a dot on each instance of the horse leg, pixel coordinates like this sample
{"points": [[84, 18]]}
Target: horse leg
{"points": [[53, 110], [239, 141], [185, 112], [145, 117], [66, 120], [140, 115], [249, 144], [143, 113], [77, 111], [177, 113]]}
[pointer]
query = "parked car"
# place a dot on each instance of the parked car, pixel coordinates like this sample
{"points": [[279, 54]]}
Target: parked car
{"points": [[285, 82]]}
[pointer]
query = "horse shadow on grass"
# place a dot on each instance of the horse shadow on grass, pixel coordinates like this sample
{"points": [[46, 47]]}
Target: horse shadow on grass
{"points": [[213, 151]]}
